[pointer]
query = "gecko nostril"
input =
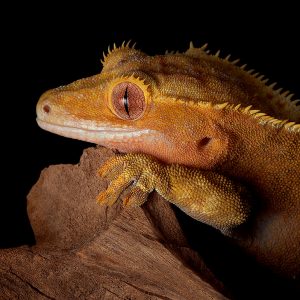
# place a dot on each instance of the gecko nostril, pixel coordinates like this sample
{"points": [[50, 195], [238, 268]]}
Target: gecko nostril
{"points": [[46, 109]]}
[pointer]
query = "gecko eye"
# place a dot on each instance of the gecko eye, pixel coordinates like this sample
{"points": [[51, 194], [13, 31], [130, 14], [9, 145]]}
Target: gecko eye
{"points": [[128, 101]]}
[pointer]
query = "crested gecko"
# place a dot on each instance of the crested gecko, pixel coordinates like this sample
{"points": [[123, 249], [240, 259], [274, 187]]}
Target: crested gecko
{"points": [[209, 136]]}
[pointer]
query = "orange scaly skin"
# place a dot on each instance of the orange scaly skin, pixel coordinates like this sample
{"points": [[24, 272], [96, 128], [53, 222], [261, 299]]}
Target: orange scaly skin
{"points": [[205, 134]]}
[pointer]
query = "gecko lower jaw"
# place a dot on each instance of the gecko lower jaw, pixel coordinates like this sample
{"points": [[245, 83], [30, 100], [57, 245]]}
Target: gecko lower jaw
{"points": [[96, 135]]}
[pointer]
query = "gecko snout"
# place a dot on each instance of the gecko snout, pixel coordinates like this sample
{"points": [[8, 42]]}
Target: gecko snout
{"points": [[45, 107], [45, 110]]}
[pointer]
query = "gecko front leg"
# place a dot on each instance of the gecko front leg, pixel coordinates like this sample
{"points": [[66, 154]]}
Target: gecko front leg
{"points": [[204, 195]]}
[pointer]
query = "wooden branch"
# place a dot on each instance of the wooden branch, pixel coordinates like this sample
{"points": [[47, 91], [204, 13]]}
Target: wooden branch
{"points": [[85, 251]]}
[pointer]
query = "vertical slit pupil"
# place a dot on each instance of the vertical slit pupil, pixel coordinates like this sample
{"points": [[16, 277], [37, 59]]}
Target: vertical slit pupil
{"points": [[125, 101]]}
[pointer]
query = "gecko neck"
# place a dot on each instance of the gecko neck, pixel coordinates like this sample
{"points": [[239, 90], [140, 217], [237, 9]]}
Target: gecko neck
{"points": [[274, 153]]}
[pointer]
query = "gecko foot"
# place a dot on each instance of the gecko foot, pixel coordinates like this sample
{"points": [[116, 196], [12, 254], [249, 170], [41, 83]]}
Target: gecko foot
{"points": [[137, 174]]}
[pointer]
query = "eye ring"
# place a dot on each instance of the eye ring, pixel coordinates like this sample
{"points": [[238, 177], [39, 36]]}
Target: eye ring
{"points": [[128, 100]]}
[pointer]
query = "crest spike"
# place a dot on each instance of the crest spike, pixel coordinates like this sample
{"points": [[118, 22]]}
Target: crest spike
{"points": [[296, 101], [288, 125], [235, 61], [104, 56], [227, 57], [260, 77], [247, 108], [259, 115], [221, 106], [204, 46], [296, 127], [253, 111]]}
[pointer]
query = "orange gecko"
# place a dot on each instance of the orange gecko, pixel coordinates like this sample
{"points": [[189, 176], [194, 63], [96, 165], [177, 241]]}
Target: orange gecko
{"points": [[207, 135]]}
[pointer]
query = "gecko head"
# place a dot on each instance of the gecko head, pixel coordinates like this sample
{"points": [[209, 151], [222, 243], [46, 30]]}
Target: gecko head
{"points": [[139, 103]]}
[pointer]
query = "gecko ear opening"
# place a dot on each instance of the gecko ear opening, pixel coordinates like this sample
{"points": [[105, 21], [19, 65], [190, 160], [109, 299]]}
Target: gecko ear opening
{"points": [[204, 142], [212, 150]]}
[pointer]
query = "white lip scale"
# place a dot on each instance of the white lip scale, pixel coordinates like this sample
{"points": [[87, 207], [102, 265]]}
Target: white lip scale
{"points": [[95, 135]]}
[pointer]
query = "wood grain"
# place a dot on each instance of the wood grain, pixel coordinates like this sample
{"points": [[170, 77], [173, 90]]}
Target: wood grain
{"points": [[86, 251]]}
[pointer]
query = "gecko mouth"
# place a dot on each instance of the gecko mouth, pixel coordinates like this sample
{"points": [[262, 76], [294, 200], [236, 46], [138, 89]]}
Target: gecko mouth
{"points": [[97, 135]]}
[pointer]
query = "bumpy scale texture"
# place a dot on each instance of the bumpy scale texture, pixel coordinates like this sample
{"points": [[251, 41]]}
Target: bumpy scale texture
{"points": [[204, 195], [207, 135]]}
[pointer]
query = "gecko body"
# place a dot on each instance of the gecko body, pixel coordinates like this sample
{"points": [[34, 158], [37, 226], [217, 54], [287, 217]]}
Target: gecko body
{"points": [[207, 135]]}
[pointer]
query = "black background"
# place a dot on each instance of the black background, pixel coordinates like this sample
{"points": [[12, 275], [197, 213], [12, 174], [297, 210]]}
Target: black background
{"points": [[46, 46]]}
